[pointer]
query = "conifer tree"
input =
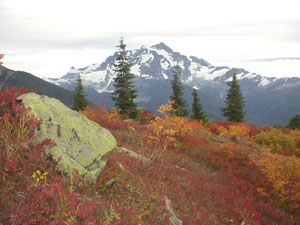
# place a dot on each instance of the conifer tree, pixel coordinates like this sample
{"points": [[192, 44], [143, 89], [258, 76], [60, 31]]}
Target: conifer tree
{"points": [[79, 97], [198, 113], [179, 104], [234, 102], [125, 92], [294, 123]]}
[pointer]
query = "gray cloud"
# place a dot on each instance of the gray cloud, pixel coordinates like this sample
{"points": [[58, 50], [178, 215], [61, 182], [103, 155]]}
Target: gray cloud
{"points": [[215, 33], [284, 30]]}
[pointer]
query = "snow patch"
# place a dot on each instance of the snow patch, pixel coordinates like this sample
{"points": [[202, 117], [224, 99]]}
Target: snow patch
{"points": [[189, 79], [164, 64], [56, 81], [92, 67], [74, 70], [166, 55], [146, 75], [95, 76], [264, 82], [249, 75], [206, 73], [203, 73], [147, 58], [135, 69], [165, 76], [194, 66], [218, 73], [238, 77]]}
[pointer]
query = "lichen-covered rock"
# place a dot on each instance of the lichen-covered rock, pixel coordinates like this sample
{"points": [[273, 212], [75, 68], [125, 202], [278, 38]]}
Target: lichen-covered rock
{"points": [[81, 143]]}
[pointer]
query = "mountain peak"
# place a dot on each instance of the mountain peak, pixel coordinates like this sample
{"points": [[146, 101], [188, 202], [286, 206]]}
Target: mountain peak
{"points": [[73, 70], [162, 46]]}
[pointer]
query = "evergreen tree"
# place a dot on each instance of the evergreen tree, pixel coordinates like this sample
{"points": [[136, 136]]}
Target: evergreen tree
{"points": [[79, 97], [179, 104], [294, 123], [234, 102], [198, 113], [125, 92]]}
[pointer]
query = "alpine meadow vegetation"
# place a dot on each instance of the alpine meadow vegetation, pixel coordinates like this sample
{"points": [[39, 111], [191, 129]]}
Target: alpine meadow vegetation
{"points": [[212, 173]]}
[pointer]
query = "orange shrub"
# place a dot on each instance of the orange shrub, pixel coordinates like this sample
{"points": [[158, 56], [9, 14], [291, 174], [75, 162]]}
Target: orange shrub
{"points": [[283, 173], [237, 131], [167, 129], [248, 129]]}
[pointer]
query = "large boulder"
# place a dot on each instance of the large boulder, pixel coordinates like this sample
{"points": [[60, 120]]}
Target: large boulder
{"points": [[80, 143]]}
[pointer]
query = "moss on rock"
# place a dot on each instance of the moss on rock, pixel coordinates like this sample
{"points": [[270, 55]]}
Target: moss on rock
{"points": [[81, 143]]}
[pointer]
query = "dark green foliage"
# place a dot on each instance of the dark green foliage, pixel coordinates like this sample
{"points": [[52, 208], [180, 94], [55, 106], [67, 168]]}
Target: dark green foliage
{"points": [[294, 123], [125, 92], [234, 102], [198, 113], [179, 104], [79, 97]]}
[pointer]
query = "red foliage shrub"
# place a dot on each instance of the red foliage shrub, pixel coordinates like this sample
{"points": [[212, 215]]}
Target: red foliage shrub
{"points": [[213, 181], [145, 116], [32, 190]]}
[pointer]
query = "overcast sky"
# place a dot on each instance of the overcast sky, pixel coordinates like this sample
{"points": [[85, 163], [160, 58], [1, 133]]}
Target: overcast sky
{"points": [[47, 37]]}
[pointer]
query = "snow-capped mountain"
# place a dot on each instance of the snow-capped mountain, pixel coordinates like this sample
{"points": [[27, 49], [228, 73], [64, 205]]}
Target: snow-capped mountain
{"points": [[157, 63], [153, 68]]}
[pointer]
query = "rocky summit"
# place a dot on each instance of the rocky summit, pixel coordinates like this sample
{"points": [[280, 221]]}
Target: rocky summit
{"points": [[81, 144]]}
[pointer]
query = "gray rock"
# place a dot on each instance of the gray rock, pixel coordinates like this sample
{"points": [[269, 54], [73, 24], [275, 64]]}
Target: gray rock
{"points": [[81, 143]]}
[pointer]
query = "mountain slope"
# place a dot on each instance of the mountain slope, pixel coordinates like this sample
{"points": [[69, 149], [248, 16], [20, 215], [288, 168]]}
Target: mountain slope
{"points": [[268, 100], [10, 78]]}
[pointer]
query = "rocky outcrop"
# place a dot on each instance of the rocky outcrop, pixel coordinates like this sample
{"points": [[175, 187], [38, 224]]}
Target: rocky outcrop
{"points": [[173, 218], [80, 143]]}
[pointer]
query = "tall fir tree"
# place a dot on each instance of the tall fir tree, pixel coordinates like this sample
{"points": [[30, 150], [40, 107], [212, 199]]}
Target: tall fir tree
{"points": [[234, 102], [179, 104], [197, 110], [125, 92], [79, 97]]}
